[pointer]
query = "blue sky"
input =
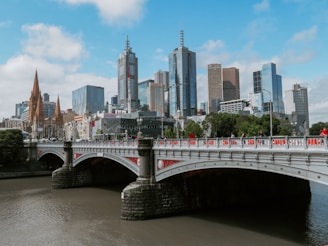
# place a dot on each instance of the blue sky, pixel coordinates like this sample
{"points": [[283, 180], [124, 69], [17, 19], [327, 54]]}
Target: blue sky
{"points": [[73, 43]]}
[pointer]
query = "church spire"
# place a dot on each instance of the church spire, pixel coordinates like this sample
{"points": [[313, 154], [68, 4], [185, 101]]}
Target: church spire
{"points": [[34, 98], [36, 89], [57, 109]]}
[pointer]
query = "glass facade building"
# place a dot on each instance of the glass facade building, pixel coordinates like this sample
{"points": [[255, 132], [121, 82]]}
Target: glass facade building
{"points": [[183, 81], [88, 99], [269, 83], [143, 93], [297, 108]]}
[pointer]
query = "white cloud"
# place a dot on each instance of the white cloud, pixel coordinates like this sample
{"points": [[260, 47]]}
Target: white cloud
{"points": [[305, 35], [116, 12], [262, 6], [213, 45], [160, 55], [56, 56], [211, 52], [296, 57], [256, 28], [52, 42]]}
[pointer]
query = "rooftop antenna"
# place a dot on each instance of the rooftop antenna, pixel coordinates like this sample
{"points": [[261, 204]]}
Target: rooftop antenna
{"points": [[181, 38], [127, 43]]}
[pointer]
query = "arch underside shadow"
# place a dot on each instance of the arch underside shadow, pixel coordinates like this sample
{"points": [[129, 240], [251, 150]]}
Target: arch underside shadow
{"points": [[301, 171], [121, 160], [56, 153]]}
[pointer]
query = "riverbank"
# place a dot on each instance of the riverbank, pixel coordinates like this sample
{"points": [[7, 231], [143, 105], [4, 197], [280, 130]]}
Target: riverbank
{"points": [[23, 174]]}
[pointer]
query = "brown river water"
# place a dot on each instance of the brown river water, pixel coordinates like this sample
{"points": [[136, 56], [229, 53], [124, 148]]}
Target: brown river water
{"points": [[32, 213]]}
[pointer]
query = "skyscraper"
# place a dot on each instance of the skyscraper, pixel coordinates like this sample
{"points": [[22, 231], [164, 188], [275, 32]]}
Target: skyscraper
{"points": [[223, 85], [162, 77], [269, 84], [156, 98], [231, 90], [143, 94], [88, 99], [128, 79], [297, 108], [183, 84], [215, 86]]}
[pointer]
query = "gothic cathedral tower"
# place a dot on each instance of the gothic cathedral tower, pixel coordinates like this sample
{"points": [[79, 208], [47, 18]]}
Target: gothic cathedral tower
{"points": [[36, 117]]}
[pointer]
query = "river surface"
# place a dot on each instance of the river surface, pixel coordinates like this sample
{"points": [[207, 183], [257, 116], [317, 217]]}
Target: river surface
{"points": [[32, 213]]}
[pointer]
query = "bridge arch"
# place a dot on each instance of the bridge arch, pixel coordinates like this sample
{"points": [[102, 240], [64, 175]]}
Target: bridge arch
{"points": [[196, 165], [121, 160], [51, 152]]}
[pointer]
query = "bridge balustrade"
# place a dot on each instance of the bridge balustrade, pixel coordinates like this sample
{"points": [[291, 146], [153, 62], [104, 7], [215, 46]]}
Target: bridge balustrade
{"points": [[275, 142], [107, 143]]}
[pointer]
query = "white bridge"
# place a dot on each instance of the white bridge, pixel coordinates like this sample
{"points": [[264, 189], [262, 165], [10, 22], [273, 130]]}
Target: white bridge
{"points": [[301, 157]]}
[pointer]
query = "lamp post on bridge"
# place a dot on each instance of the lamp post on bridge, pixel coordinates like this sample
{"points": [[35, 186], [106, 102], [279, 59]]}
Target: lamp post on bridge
{"points": [[139, 122], [270, 105], [177, 120]]}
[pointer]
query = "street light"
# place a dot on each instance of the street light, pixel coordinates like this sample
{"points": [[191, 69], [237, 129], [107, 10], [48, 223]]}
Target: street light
{"points": [[139, 122], [177, 118], [270, 110]]}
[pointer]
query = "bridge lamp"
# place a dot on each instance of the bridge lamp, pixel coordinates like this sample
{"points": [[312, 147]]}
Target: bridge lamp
{"points": [[139, 122], [177, 119]]}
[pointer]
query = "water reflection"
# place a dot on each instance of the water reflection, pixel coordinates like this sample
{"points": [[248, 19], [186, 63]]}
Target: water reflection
{"points": [[31, 213]]}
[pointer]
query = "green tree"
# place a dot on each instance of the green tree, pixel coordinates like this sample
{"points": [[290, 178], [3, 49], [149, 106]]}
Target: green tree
{"points": [[194, 128], [285, 128], [317, 127], [168, 133], [11, 141]]}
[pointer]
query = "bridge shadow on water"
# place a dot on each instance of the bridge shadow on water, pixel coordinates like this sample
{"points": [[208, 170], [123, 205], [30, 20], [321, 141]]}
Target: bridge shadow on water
{"points": [[265, 203], [284, 219]]}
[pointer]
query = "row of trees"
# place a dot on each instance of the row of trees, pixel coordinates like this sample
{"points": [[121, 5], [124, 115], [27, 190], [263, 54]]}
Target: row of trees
{"points": [[224, 125], [11, 141]]}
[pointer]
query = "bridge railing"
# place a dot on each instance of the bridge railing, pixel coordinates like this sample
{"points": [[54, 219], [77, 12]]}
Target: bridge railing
{"points": [[274, 142], [107, 143]]}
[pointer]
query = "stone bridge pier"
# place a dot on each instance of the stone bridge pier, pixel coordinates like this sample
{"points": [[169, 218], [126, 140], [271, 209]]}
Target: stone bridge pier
{"points": [[67, 176], [145, 198]]}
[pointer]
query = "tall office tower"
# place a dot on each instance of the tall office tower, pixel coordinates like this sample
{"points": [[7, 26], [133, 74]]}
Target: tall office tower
{"points": [[162, 77], [113, 100], [156, 98], [297, 108], [143, 94], [215, 86], [128, 79], [272, 83], [257, 82], [88, 99], [269, 83], [231, 90], [183, 84]]}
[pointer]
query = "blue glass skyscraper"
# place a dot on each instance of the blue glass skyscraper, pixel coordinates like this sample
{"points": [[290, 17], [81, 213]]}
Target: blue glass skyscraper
{"points": [[88, 99], [269, 83], [182, 84]]}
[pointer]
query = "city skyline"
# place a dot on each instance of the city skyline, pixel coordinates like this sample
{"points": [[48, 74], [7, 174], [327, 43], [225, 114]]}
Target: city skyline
{"points": [[72, 51]]}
